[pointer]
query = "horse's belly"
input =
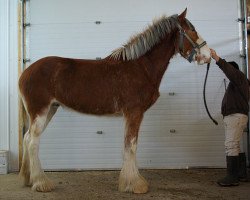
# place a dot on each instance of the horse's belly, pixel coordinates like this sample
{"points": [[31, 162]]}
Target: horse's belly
{"points": [[96, 106]]}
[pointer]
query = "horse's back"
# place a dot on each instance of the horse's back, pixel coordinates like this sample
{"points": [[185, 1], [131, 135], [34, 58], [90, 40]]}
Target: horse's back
{"points": [[44, 71], [75, 83]]}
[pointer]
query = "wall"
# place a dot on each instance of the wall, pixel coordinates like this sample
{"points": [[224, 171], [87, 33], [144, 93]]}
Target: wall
{"points": [[8, 80]]}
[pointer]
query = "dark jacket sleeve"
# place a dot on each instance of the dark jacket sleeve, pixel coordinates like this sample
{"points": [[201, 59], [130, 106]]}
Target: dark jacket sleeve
{"points": [[236, 97], [234, 75]]}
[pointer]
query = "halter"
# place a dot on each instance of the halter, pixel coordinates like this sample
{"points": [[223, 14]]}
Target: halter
{"points": [[194, 44], [190, 56]]}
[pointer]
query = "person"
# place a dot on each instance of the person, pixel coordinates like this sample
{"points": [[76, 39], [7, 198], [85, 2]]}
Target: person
{"points": [[235, 110]]}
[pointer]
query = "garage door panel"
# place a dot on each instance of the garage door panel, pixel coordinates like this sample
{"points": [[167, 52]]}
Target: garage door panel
{"points": [[47, 39], [80, 40], [62, 11]]}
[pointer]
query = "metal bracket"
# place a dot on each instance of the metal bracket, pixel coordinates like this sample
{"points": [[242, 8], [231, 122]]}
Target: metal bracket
{"points": [[172, 130], [26, 25], [26, 60], [99, 132], [243, 56], [242, 20], [98, 22]]}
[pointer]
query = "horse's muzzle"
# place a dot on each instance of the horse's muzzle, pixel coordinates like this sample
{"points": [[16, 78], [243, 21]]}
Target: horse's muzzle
{"points": [[202, 59]]}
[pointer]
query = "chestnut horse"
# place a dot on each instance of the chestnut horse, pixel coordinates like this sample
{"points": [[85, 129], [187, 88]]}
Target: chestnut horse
{"points": [[126, 82]]}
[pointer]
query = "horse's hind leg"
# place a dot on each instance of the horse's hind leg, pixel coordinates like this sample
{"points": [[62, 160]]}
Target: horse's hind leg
{"points": [[25, 168], [130, 179], [38, 178]]}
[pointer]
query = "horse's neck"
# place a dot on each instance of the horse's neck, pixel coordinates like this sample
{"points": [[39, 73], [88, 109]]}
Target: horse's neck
{"points": [[159, 57]]}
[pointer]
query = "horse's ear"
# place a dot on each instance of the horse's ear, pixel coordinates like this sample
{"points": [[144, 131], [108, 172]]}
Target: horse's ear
{"points": [[182, 16]]}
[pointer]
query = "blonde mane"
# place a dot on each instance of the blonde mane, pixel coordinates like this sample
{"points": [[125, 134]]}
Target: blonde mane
{"points": [[140, 43]]}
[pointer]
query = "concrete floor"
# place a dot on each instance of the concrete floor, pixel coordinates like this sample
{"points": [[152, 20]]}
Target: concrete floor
{"points": [[189, 184]]}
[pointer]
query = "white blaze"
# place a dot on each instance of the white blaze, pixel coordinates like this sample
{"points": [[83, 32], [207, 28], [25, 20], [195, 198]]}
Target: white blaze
{"points": [[203, 53]]}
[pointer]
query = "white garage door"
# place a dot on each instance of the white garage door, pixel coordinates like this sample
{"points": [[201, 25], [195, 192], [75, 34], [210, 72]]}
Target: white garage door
{"points": [[176, 131]]}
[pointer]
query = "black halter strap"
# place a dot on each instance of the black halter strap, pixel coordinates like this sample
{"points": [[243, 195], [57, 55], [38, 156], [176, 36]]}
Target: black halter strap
{"points": [[183, 35]]}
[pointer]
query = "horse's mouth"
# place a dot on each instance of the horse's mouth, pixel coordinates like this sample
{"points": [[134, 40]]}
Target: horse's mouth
{"points": [[201, 59]]}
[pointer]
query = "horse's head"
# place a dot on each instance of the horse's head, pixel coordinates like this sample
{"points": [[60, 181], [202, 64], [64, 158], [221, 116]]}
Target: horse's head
{"points": [[190, 44]]}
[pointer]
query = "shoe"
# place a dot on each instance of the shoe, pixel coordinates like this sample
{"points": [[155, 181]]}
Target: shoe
{"points": [[242, 168], [232, 177]]}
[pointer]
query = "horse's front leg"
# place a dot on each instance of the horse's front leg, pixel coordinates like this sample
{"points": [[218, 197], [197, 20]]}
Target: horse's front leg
{"points": [[130, 179]]}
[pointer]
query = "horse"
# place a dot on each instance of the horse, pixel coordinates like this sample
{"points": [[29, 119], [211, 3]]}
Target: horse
{"points": [[126, 82]]}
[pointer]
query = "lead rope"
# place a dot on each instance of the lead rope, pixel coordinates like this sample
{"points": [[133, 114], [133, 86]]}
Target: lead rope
{"points": [[204, 96]]}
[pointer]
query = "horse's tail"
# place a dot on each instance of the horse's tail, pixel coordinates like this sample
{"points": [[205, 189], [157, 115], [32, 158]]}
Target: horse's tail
{"points": [[25, 119], [23, 114]]}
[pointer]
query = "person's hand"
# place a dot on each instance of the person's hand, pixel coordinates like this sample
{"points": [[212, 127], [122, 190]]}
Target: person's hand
{"points": [[214, 55]]}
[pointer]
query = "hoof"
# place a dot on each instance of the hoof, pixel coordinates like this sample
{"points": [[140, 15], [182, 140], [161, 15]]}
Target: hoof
{"points": [[44, 185], [137, 186], [141, 187]]}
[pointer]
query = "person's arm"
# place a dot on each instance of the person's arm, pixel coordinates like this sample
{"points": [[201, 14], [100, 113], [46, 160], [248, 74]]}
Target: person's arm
{"points": [[214, 55], [234, 75]]}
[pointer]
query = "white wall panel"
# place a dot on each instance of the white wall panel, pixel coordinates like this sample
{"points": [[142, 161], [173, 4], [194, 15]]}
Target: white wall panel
{"points": [[76, 11], [67, 28], [4, 55], [8, 81]]}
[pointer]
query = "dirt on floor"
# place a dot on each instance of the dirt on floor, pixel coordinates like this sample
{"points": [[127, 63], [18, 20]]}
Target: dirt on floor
{"points": [[97, 185]]}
